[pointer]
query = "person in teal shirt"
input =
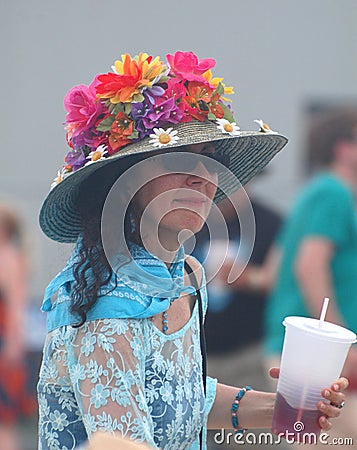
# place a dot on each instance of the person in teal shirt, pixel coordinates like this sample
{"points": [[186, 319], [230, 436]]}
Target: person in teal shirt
{"points": [[317, 249], [323, 216]]}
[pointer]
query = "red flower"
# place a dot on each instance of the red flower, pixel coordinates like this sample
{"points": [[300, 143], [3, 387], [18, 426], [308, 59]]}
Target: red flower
{"points": [[116, 141], [121, 129], [175, 89], [187, 66], [194, 108], [199, 91], [118, 88], [216, 107], [122, 125]]}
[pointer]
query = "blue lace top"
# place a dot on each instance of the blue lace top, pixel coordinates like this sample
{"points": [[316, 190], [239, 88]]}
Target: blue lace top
{"points": [[119, 372]]}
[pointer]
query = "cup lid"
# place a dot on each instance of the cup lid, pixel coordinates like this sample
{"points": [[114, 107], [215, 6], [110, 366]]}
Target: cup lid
{"points": [[328, 331]]}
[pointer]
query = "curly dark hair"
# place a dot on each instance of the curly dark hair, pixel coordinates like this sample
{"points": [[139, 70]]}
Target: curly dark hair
{"points": [[92, 270]]}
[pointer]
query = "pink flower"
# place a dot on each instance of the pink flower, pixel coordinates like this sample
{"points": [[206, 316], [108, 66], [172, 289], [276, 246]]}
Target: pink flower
{"points": [[186, 65], [82, 106]]}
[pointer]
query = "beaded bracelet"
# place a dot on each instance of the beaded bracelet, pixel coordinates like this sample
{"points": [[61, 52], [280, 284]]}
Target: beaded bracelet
{"points": [[234, 410]]}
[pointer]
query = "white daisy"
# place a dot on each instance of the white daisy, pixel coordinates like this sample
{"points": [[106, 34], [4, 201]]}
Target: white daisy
{"points": [[97, 155], [162, 137], [61, 174], [264, 128], [228, 127]]}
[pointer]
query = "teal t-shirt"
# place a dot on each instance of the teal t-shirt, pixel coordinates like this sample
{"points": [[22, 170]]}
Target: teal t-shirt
{"points": [[325, 208]]}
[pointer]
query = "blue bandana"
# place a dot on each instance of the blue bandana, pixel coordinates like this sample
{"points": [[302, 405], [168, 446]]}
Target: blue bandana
{"points": [[142, 287]]}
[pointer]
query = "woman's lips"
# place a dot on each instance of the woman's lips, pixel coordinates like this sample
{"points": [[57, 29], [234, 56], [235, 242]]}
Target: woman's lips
{"points": [[191, 201]]}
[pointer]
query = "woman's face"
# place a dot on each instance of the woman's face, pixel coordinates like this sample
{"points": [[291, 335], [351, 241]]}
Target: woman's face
{"points": [[172, 202]]}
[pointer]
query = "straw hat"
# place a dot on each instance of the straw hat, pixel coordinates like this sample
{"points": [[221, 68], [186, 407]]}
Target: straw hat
{"points": [[143, 106]]}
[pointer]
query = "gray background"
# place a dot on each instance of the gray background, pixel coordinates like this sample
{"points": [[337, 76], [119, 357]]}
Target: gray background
{"points": [[279, 55]]}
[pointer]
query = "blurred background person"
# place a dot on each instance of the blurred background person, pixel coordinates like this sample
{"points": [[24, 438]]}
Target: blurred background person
{"points": [[315, 254], [15, 399]]}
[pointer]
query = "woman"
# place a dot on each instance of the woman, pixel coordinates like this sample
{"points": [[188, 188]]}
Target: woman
{"points": [[150, 149]]}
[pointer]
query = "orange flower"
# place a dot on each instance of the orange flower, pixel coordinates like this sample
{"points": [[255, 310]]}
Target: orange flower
{"points": [[132, 75]]}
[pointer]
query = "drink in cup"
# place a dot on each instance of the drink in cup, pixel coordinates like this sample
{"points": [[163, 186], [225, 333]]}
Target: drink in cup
{"points": [[313, 356]]}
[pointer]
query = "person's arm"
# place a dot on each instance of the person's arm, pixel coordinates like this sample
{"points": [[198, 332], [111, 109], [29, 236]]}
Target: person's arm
{"points": [[312, 270], [256, 408]]}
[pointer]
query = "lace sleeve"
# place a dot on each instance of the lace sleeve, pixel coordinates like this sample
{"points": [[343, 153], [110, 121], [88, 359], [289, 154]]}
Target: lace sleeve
{"points": [[106, 367]]}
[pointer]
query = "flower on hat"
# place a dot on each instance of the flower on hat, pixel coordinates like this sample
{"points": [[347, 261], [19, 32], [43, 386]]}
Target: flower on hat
{"points": [[264, 128], [215, 81], [131, 76], [82, 107], [142, 97], [162, 137], [186, 66], [61, 174], [97, 155], [228, 127]]}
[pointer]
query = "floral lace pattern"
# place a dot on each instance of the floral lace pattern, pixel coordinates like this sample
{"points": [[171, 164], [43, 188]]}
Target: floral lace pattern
{"points": [[122, 376]]}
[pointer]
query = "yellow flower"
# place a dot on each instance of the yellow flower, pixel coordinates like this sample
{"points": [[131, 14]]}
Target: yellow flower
{"points": [[215, 82]]}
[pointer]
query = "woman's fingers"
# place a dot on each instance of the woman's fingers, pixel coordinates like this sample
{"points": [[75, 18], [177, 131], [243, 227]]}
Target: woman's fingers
{"points": [[336, 399], [340, 385], [274, 372], [325, 424], [328, 410]]}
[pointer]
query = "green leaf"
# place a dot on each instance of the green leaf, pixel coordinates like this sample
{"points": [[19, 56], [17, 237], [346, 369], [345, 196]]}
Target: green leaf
{"points": [[219, 89], [106, 124], [211, 116], [228, 115], [119, 107], [127, 108], [134, 135], [138, 98]]}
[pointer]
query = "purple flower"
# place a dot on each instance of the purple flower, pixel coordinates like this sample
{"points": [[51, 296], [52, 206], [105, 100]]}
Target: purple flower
{"points": [[83, 138], [151, 93], [138, 112], [164, 111], [76, 158]]}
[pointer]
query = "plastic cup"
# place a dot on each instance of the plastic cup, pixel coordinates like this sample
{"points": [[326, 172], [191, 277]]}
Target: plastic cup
{"points": [[312, 359]]}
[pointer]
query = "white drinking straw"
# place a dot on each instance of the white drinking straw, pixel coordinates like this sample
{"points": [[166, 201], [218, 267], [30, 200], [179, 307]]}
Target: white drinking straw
{"points": [[323, 311]]}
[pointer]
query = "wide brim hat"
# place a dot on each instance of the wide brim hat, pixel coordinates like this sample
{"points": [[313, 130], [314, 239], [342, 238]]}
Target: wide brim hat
{"points": [[144, 105], [249, 152]]}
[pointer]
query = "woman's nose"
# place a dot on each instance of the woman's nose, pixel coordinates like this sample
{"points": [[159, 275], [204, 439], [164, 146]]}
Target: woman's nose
{"points": [[200, 174]]}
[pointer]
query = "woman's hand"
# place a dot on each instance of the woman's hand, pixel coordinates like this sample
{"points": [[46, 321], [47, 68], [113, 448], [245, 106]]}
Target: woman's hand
{"points": [[334, 394]]}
